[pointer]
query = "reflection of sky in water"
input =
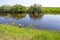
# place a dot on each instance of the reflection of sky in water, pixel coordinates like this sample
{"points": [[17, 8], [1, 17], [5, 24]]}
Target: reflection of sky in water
{"points": [[49, 22], [7, 21]]}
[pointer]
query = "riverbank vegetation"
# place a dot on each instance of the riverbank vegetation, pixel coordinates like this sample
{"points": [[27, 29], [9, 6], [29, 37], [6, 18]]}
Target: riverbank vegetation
{"points": [[9, 32], [51, 10], [32, 9], [35, 9], [21, 9], [12, 9]]}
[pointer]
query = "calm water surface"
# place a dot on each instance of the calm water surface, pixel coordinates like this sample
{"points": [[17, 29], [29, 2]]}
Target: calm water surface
{"points": [[44, 22]]}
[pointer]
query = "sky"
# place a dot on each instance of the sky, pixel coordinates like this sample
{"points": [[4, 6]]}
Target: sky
{"points": [[44, 3]]}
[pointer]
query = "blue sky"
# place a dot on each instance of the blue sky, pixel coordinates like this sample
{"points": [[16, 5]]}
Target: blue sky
{"points": [[44, 3]]}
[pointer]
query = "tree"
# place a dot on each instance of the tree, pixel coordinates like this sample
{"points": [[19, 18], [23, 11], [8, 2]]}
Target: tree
{"points": [[5, 8], [35, 9], [18, 9]]}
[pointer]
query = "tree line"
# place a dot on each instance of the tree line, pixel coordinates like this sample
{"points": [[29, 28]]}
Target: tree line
{"points": [[21, 9]]}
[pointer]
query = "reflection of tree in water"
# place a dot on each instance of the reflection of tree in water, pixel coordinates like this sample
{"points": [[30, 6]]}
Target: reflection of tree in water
{"points": [[36, 16], [18, 16], [5, 15], [21, 15], [14, 15]]}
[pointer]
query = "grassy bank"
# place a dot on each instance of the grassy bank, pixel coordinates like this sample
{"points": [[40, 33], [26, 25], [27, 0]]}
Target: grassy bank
{"points": [[8, 32], [51, 10]]}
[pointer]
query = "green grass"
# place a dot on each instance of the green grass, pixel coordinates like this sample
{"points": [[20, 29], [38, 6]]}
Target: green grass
{"points": [[52, 10], [8, 32]]}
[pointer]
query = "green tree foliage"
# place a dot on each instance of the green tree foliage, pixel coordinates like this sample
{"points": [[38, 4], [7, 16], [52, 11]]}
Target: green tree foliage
{"points": [[12, 9], [35, 9], [5, 8], [32, 9], [18, 8], [21, 9]]}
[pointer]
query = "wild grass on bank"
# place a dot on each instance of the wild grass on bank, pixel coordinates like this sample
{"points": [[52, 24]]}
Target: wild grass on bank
{"points": [[8, 32]]}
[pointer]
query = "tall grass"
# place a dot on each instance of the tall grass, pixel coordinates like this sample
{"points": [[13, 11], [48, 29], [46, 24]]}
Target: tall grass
{"points": [[8, 32]]}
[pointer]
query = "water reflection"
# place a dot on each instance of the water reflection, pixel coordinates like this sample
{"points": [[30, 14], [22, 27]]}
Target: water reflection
{"points": [[5, 15], [40, 21], [13, 15], [36, 16], [18, 16]]}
